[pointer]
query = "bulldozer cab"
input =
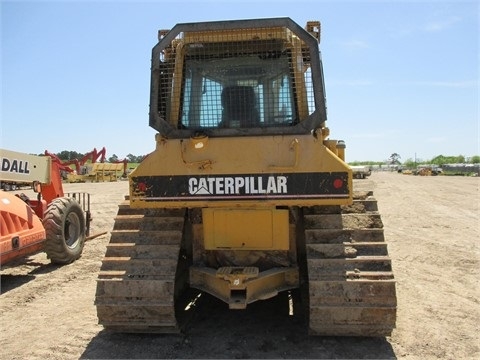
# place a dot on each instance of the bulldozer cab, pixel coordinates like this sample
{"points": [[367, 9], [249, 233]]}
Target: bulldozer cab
{"points": [[257, 94], [250, 74]]}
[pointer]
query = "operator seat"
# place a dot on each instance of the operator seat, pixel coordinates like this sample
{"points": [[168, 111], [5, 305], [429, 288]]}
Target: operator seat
{"points": [[239, 107]]}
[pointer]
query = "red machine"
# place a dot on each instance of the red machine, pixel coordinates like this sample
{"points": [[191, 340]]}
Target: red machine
{"points": [[64, 165], [92, 156], [55, 222]]}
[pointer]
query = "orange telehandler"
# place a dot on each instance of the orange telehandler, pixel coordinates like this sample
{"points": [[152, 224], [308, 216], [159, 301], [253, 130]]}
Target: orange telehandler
{"points": [[55, 222]]}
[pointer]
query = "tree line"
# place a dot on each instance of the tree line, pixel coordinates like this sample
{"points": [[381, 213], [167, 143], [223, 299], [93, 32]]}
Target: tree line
{"points": [[66, 155], [439, 160], [394, 159]]}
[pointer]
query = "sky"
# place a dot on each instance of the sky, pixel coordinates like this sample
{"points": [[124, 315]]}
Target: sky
{"points": [[400, 76]]}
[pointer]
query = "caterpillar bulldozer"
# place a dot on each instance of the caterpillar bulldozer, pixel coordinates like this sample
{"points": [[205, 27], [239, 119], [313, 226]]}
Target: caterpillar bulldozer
{"points": [[245, 196]]}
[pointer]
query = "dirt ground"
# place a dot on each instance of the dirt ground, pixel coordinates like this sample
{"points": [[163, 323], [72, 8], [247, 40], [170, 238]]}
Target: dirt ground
{"points": [[432, 227]]}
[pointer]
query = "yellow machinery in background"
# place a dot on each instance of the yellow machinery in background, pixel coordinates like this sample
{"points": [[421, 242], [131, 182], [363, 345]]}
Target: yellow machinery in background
{"points": [[245, 196], [99, 172]]}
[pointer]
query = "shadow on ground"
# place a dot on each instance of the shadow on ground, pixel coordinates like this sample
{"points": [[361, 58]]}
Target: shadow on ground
{"points": [[264, 330], [21, 272]]}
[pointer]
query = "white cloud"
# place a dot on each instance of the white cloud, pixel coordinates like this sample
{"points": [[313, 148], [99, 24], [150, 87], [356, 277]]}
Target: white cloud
{"points": [[440, 25], [433, 26], [436, 139], [355, 44], [450, 84], [354, 82], [374, 135]]}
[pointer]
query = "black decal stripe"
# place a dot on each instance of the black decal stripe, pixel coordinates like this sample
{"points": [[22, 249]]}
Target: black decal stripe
{"points": [[253, 187], [245, 197]]}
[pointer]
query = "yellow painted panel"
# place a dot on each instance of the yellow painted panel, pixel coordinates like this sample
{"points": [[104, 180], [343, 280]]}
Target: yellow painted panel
{"points": [[262, 229], [107, 167], [237, 35]]}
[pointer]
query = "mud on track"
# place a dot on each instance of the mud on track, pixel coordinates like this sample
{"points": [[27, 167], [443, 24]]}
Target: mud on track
{"points": [[432, 227]]}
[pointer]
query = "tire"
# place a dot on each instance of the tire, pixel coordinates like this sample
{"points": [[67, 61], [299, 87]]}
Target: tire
{"points": [[64, 224]]}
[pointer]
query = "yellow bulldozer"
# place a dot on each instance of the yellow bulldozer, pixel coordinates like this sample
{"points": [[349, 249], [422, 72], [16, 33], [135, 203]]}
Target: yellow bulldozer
{"points": [[245, 196]]}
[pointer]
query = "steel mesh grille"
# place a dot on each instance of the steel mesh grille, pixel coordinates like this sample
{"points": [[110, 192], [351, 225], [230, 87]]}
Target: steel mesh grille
{"points": [[235, 79]]}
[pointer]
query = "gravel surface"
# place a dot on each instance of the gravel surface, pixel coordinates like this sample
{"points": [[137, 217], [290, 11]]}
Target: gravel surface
{"points": [[432, 230]]}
